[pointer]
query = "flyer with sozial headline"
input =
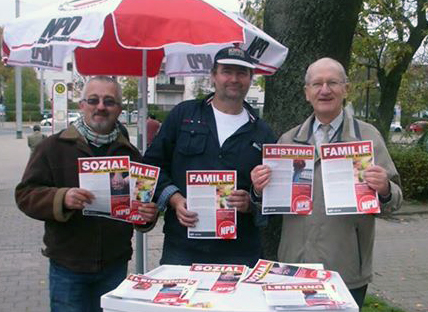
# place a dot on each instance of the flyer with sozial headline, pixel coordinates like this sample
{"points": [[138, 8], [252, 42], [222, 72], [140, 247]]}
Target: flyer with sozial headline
{"points": [[289, 190], [207, 193], [345, 191], [108, 179]]}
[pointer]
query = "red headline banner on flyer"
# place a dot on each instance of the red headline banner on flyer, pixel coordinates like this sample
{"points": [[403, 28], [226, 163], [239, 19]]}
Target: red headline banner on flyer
{"points": [[346, 150], [146, 171], [100, 164], [276, 151], [210, 178]]}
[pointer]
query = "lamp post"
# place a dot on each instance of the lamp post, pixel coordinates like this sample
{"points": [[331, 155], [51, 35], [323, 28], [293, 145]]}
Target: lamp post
{"points": [[18, 91]]}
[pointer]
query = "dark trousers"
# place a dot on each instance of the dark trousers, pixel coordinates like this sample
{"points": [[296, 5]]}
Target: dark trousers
{"points": [[81, 292], [359, 294]]}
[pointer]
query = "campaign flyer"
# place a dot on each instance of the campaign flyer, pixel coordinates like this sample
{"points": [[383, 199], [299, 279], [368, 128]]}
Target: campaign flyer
{"points": [[220, 278], [266, 271], [302, 295], [174, 291], [142, 182], [108, 179], [207, 193], [291, 184], [345, 191]]}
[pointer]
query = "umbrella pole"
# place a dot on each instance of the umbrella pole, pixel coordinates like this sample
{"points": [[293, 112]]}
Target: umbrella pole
{"points": [[141, 239]]}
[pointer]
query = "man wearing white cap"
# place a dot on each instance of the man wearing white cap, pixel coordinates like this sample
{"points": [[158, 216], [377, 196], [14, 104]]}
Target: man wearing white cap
{"points": [[220, 132]]}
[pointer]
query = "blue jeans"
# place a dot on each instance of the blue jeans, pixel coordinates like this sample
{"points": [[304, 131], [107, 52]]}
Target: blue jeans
{"points": [[81, 292]]}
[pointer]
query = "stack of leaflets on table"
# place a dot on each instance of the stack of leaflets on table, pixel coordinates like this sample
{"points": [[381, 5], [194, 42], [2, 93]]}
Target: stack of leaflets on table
{"points": [[303, 296], [172, 291], [266, 271], [220, 278]]}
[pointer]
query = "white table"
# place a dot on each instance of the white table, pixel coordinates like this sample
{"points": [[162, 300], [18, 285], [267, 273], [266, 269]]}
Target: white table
{"points": [[246, 298]]}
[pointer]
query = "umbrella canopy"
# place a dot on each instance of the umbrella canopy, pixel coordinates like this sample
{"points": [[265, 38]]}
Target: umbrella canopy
{"points": [[108, 36]]}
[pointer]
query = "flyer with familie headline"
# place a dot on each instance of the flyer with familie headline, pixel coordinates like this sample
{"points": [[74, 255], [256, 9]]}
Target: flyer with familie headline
{"points": [[289, 190], [343, 166], [207, 193], [142, 182]]}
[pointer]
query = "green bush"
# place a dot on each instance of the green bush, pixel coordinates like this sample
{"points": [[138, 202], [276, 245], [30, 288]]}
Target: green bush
{"points": [[412, 164]]}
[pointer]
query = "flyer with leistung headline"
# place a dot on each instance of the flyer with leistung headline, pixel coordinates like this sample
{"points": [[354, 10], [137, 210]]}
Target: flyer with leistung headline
{"points": [[345, 191], [207, 193], [289, 190], [108, 179], [174, 291]]}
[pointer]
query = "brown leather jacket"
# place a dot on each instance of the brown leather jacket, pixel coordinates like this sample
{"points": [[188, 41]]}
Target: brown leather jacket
{"points": [[82, 244]]}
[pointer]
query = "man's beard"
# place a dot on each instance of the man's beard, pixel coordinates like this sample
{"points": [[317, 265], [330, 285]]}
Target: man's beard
{"points": [[102, 127]]}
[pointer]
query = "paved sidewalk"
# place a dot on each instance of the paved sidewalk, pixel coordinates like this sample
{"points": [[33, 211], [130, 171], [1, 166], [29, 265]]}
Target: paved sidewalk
{"points": [[400, 263]]}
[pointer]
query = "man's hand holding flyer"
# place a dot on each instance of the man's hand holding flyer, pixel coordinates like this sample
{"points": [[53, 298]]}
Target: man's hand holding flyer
{"points": [[207, 193], [290, 188], [345, 191], [119, 186]]}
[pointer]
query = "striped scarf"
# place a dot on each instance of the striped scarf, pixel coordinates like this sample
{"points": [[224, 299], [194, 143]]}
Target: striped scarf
{"points": [[93, 137]]}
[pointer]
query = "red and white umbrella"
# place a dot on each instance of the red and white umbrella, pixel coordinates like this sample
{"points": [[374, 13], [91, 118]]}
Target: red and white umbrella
{"points": [[132, 37], [108, 37]]}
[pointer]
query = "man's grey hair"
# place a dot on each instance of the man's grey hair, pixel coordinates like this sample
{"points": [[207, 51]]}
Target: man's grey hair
{"points": [[108, 79], [339, 66]]}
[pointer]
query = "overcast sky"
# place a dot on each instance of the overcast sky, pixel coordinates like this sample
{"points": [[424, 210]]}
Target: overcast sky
{"points": [[7, 11]]}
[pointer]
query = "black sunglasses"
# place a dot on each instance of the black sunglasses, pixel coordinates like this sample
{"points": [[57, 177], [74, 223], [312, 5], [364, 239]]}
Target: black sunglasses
{"points": [[108, 102]]}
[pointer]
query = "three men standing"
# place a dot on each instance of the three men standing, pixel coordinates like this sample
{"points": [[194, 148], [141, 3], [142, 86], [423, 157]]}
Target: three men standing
{"points": [[88, 255]]}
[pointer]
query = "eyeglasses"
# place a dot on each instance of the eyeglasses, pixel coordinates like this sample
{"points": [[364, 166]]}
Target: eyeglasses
{"points": [[108, 102], [331, 84]]}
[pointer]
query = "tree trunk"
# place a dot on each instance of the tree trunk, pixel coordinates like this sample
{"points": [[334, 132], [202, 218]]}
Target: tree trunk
{"points": [[311, 29]]}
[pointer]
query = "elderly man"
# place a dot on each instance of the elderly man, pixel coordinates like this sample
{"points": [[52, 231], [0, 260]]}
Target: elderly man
{"points": [[342, 243], [88, 255], [220, 132]]}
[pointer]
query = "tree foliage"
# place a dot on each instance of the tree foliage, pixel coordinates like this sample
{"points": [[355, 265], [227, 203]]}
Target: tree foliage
{"points": [[388, 35], [30, 90], [130, 89]]}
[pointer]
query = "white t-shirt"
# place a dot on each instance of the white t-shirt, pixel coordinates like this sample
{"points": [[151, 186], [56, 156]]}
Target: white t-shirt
{"points": [[228, 124]]}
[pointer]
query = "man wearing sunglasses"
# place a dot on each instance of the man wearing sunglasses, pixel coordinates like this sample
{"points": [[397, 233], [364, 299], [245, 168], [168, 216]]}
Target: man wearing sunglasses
{"points": [[88, 255]]}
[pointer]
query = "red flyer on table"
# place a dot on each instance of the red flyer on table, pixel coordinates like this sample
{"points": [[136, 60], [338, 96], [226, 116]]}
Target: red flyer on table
{"points": [[207, 193], [108, 179], [266, 271], [345, 191], [220, 278], [290, 188], [142, 184], [302, 295], [174, 291]]}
